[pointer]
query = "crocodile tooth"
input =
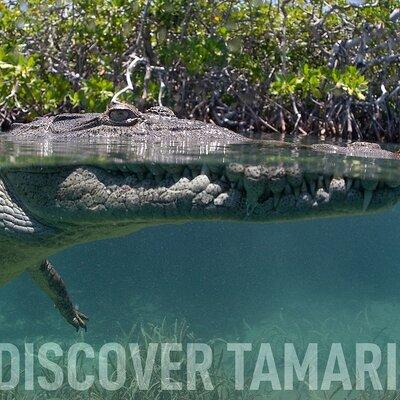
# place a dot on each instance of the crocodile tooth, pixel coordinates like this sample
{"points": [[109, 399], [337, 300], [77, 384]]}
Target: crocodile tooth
{"points": [[186, 173], [277, 198], [311, 179], [205, 170], [313, 187], [287, 190], [276, 178], [349, 183], [327, 182], [367, 199], [295, 178], [215, 168], [176, 177]]}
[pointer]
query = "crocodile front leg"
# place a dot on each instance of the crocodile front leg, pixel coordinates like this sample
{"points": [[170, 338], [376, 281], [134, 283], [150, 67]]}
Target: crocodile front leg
{"points": [[50, 281]]}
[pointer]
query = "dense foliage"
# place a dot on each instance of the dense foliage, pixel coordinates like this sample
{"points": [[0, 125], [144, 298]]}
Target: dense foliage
{"points": [[294, 66]]}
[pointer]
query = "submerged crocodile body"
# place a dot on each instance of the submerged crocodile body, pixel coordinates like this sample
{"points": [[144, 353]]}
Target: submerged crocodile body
{"points": [[43, 210]]}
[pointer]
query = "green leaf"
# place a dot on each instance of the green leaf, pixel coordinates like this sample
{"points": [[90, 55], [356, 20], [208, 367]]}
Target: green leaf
{"points": [[4, 65]]}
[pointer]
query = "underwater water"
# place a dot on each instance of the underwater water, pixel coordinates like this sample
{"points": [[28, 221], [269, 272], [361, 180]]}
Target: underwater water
{"points": [[328, 280]]}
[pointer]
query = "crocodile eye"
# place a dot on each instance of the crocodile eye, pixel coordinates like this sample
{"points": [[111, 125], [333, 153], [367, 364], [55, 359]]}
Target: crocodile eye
{"points": [[121, 115]]}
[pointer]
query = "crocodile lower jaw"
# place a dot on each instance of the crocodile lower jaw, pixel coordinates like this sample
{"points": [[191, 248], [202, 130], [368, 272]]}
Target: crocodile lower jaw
{"points": [[158, 193]]}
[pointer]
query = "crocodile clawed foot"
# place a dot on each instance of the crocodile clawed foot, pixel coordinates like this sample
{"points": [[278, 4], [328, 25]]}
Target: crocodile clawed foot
{"points": [[79, 320], [50, 281], [71, 314]]}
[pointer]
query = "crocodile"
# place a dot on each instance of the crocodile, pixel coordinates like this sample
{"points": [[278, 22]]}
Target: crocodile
{"points": [[44, 210]]}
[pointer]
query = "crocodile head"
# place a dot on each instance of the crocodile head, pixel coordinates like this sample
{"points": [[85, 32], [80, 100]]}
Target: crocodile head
{"points": [[45, 209], [35, 201], [121, 121]]}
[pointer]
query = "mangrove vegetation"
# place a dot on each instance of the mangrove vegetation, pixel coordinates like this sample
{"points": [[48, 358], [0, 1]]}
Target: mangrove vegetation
{"points": [[324, 67]]}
